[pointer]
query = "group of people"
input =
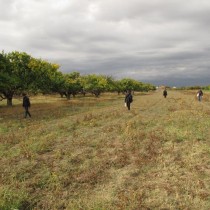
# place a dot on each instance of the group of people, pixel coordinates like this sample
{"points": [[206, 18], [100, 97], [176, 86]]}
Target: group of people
{"points": [[199, 94], [129, 97], [128, 100]]}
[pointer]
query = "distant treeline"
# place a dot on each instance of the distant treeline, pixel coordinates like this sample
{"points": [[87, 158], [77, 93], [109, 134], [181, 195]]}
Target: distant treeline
{"points": [[195, 88], [20, 72]]}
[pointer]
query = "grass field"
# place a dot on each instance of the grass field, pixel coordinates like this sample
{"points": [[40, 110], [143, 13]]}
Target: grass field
{"points": [[93, 154]]}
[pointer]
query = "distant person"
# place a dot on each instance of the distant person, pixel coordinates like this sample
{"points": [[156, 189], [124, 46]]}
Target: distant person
{"points": [[128, 99], [200, 95], [26, 105], [165, 93]]}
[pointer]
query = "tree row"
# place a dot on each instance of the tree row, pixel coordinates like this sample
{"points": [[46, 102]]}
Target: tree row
{"points": [[20, 72]]}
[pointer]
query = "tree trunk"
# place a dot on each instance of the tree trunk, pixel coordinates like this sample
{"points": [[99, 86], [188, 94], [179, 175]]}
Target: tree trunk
{"points": [[8, 95], [97, 93], [9, 101], [68, 96], [83, 92]]}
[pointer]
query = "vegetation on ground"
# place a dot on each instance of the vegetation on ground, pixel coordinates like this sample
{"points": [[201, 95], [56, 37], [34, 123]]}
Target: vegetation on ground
{"points": [[93, 154]]}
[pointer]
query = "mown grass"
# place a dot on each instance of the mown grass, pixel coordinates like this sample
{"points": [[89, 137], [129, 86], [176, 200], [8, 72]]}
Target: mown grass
{"points": [[90, 153]]}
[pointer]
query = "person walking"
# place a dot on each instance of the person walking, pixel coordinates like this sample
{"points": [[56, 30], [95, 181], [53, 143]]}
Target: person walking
{"points": [[165, 93], [26, 105], [128, 99], [200, 95]]}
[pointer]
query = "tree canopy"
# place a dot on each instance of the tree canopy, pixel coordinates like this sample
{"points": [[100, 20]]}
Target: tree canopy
{"points": [[20, 72]]}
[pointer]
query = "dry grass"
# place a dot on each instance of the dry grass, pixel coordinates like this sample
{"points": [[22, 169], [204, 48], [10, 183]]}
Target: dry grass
{"points": [[93, 154]]}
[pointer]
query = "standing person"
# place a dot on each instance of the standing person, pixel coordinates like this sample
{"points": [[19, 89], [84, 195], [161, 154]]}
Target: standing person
{"points": [[165, 93], [26, 105], [199, 95], [128, 99]]}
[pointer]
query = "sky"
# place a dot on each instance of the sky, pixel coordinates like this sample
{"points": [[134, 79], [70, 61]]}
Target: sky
{"points": [[163, 42]]}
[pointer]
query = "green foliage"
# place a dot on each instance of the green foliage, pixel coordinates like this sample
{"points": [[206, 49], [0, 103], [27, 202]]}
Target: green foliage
{"points": [[72, 84], [111, 84], [58, 82], [21, 72], [207, 87], [191, 88], [127, 84], [46, 75], [10, 77], [20, 69], [95, 83], [131, 84]]}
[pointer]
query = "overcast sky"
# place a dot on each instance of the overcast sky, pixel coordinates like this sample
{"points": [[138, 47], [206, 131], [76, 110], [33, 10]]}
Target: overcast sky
{"points": [[157, 41]]}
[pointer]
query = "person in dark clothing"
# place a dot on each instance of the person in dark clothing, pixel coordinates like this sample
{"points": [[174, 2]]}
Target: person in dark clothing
{"points": [[128, 99], [200, 95], [26, 105], [165, 93]]}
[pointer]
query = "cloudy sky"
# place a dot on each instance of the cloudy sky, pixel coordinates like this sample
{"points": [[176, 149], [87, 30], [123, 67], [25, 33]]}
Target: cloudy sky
{"points": [[156, 41]]}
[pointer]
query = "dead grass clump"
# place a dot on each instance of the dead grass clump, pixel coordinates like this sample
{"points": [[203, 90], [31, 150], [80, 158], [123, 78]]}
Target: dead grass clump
{"points": [[149, 151], [172, 109], [92, 176], [206, 98], [121, 159], [88, 117], [11, 139], [25, 151], [130, 126], [130, 200]]}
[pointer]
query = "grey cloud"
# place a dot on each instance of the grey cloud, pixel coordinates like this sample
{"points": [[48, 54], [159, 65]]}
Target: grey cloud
{"points": [[155, 40], [8, 10]]}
